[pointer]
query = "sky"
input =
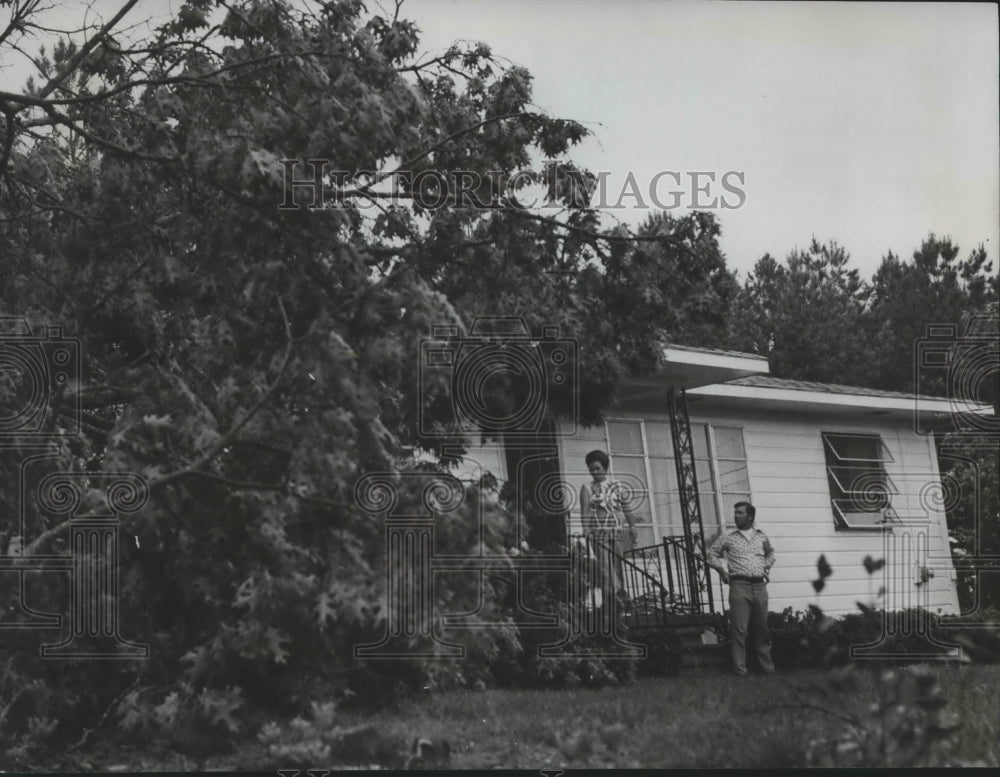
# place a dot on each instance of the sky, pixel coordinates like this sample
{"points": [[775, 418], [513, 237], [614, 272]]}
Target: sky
{"points": [[872, 124]]}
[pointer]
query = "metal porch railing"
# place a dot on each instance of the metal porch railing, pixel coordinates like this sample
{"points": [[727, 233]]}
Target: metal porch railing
{"points": [[664, 584], [685, 580]]}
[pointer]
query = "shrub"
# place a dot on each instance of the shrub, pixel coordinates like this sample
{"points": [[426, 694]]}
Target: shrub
{"points": [[803, 640], [665, 652], [579, 661]]}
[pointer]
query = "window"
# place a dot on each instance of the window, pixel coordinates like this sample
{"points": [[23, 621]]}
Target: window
{"points": [[627, 449], [663, 495], [732, 479], [860, 490], [643, 450]]}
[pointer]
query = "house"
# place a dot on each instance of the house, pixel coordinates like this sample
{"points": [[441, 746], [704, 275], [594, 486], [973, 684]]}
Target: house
{"points": [[833, 470]]}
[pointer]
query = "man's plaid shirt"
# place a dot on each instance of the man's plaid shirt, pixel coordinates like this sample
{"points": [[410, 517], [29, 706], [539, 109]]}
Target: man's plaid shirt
{"points": [[753, 558]]}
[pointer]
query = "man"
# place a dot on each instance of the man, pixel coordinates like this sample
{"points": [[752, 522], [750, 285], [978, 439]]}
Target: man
{"points": [[744, 558]]}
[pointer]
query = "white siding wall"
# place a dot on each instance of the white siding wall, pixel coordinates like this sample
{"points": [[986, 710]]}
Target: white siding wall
{"points": [[788, 481], [480, 459]]}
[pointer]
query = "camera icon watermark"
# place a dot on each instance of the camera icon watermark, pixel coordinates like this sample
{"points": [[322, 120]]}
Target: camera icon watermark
{"points": [[967, 367], [501, 379], [39, 381]]}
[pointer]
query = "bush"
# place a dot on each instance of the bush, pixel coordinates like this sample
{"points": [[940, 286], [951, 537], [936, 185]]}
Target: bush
{"points": [[803, 640], [978, 634], [665, 652], [581, 661]]}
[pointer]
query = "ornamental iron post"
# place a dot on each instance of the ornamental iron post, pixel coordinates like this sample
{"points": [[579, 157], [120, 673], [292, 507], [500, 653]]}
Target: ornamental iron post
{"points": [[687, 484]]}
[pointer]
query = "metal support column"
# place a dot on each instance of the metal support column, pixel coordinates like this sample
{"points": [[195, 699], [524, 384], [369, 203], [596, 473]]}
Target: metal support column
{"points": [[687, 485]]}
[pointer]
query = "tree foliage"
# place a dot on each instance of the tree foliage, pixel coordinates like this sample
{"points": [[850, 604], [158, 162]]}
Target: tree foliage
{"points": [[251, 346], [805, 315], [936, 287], [250, 337], [816, 319]]}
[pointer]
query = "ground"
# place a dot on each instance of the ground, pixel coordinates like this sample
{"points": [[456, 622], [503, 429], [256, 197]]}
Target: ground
{"points": [[701, 719]]}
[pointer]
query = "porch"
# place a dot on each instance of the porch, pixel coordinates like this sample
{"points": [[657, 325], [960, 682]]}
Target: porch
{"points": [[666, 583], [663, 586]]}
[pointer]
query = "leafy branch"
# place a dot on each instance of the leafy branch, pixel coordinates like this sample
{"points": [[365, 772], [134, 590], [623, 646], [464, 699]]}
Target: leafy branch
{"points": [[193, 469], [226, 439]]}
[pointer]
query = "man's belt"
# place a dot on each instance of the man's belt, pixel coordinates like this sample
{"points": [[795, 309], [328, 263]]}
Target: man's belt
{"points": [[745, 579]]}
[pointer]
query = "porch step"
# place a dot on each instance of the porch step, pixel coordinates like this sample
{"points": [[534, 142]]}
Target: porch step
{"points": [[692, 636], [682, 623], [701, 655]]}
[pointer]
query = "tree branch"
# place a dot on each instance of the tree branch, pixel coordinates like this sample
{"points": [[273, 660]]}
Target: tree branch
{"points": [[192, 469], [114, 703], [88, 314], [857, 725], [465, 131], [199, 79], [18, 17], [249, 485], [66, 121], [97, 397], [8, 138], [598, 235], [85, 50], [225, 440]]}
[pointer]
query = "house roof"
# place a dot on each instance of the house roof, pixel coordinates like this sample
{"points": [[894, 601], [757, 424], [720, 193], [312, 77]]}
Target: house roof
{"points": [[767, 391], [716, 351], [741, 379], [687, 368], [811, 385]]}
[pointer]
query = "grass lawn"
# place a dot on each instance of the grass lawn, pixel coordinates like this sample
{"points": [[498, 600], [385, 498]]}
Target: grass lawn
{"points": [[703, 719]]}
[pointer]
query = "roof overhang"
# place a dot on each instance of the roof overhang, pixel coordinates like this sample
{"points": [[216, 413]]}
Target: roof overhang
{"points": [[688, 368], [928, 409]]}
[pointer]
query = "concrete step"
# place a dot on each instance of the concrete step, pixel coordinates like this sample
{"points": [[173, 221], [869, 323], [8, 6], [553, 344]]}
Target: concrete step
{"points": [[673, 620], [697, 656], [696, 635]]}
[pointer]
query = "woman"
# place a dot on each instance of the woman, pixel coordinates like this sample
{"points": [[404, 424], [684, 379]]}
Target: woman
{"points": [[607, 521]]}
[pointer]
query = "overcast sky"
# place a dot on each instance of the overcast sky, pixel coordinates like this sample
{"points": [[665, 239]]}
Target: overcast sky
{"points": [[868, 123]]}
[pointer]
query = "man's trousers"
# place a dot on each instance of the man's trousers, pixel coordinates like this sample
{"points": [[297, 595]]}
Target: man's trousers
{"points": [[748, 612]]}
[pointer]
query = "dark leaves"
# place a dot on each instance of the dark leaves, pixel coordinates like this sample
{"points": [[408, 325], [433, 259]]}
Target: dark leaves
{"points": [[825, 570]]}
